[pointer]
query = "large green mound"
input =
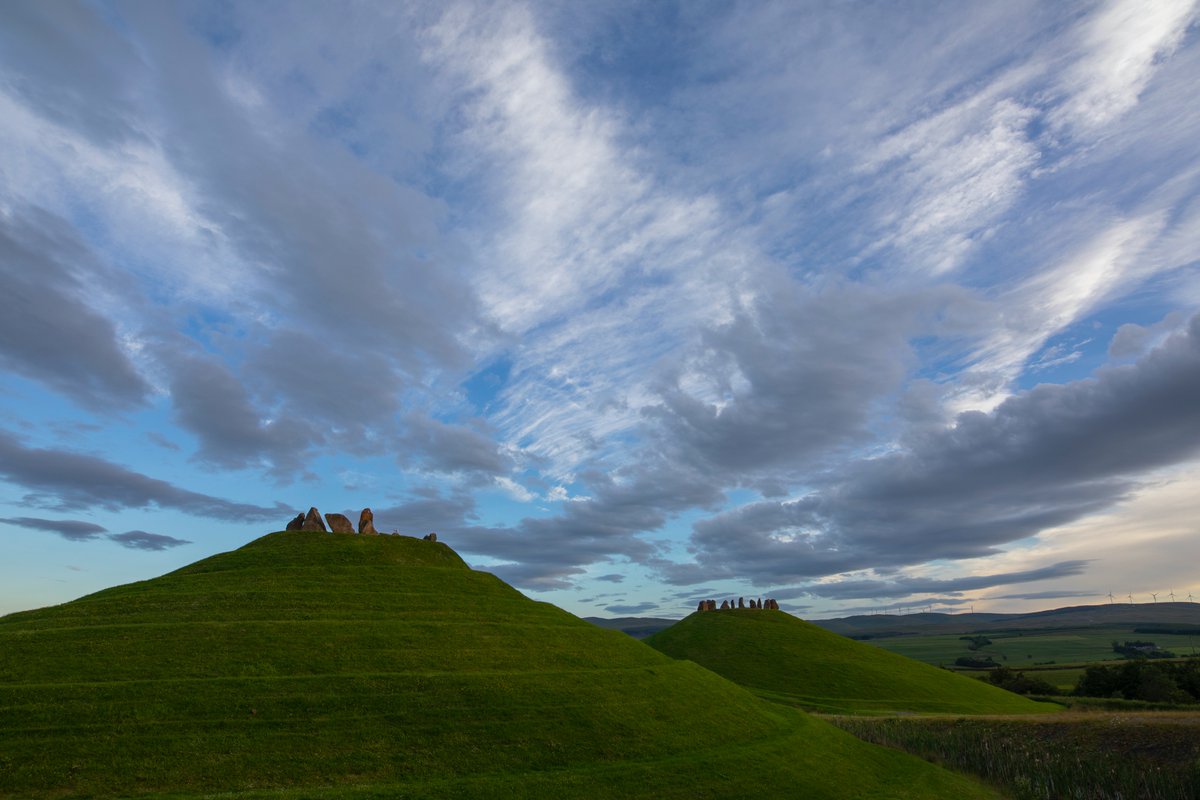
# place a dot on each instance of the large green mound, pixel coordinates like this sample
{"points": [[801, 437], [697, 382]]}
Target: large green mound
{"points": [[789, 660], [319, 665]]}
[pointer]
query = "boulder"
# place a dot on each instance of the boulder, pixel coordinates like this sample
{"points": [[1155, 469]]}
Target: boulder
{"points": [[366, 522], [313, 521], [431, 537], [296, 524], [339, 523]]}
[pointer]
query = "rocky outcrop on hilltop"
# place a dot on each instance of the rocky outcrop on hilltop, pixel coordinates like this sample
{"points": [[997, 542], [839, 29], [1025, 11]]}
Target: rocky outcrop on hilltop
{"points": [[340, 523], [767, 603]]}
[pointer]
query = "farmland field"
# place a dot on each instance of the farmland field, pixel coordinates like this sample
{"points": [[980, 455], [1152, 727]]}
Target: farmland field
{"points": [[1031, 648]]}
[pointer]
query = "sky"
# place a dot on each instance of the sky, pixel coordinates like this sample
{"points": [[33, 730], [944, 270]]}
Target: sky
{"points": [[861, 306]]}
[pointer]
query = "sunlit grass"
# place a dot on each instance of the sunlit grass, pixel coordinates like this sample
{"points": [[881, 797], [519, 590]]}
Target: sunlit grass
{"points": [[314, 665]]}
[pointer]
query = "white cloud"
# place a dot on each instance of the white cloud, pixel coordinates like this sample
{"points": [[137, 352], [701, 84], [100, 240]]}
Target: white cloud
{"points": [[597, 268], [145, 209], [957, 172], [576, 213], [1032, 312], [515, 489], [1121, 46]]}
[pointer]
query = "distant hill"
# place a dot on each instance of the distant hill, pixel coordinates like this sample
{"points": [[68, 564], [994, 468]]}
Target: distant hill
{"points": [[1100, 615], [343, 666], [789, 660], [637, 627]]}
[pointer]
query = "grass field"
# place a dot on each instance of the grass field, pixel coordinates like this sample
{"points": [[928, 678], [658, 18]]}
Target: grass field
{"points": [[787, 660], [317, 665], [1029, 648]]}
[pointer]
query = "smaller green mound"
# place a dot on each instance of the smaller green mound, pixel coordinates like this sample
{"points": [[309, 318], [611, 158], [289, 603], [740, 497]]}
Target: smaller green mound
{"points": [[791, 661]]}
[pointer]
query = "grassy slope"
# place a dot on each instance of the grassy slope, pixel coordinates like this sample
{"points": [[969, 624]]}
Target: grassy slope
{"points": [[318, 665], [789, 660]]}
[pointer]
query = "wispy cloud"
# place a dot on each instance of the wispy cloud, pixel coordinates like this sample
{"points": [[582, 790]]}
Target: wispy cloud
{"points": [[143, 540], [65, 480], [1120, 46], [74, 530]]}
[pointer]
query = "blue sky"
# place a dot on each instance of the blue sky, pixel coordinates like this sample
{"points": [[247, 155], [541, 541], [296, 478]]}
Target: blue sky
{"points": [[854, 305]]}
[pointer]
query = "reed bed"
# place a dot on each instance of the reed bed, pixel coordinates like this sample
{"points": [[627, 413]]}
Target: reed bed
{"points": [[1085, 756]]}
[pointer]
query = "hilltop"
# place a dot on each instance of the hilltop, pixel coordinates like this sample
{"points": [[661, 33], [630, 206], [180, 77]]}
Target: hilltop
{"points": [[788, 660], [308, 664]]}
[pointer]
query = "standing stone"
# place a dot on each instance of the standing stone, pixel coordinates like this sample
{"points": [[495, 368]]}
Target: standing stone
{"points": [[296, 524], [431, 537], [339, 523], [366, 522], [313, 521], [712, 605], [724, 605], [700, 606]]}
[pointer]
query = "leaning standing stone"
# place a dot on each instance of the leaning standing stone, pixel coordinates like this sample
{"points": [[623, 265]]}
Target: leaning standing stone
{"points": [[338, 523], [296, 524], [312, 521]]}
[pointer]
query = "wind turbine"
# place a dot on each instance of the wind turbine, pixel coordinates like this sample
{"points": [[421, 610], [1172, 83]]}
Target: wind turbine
{"points": [[1190, 600], [1110, 598], [1131, 599], [1171, 595], [1152, 594]]}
